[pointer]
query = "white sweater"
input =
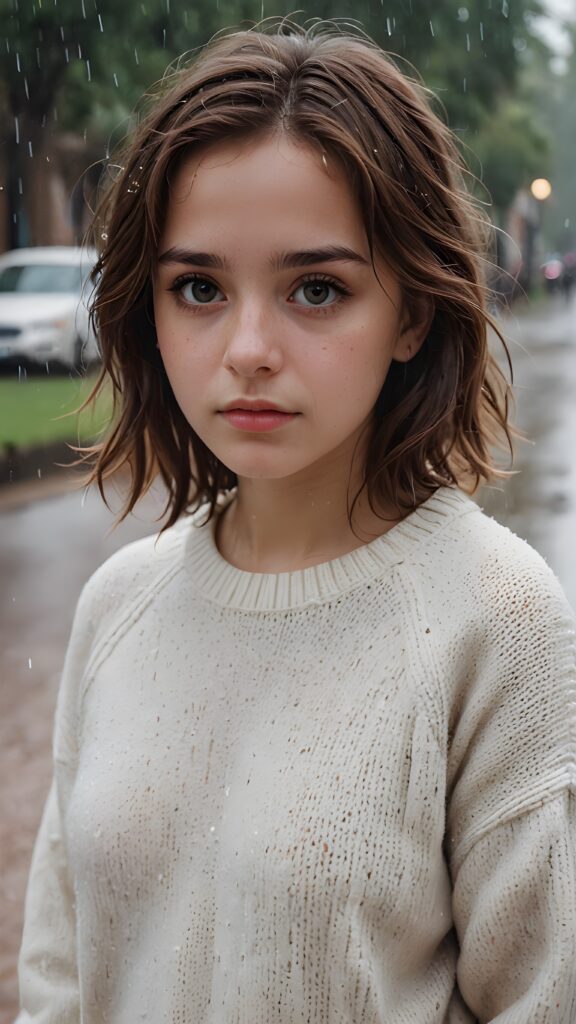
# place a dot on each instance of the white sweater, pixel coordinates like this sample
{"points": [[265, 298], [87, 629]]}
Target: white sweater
{"points": [[341, 795]]}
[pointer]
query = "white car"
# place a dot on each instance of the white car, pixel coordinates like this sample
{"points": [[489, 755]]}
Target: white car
{"points": [[44, 294]]}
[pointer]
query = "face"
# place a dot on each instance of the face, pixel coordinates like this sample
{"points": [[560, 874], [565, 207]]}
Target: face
{"points": [[265, 295]]}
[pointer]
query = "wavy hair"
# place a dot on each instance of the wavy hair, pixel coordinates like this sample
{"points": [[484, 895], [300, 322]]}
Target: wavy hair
{"points": [[439, 416]]}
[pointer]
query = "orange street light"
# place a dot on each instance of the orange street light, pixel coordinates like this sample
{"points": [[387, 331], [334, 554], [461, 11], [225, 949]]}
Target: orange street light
{"points": [[541, 188]]}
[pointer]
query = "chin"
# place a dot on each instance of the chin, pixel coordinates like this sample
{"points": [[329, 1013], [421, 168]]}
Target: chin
{"points": [[271, 467]]}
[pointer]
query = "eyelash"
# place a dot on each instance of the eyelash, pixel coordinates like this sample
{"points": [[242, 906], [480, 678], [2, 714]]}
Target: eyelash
{"points": [[342, 291]]}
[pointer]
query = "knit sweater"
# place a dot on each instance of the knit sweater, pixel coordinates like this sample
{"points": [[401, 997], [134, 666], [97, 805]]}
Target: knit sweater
{"points": [[339, 795]]}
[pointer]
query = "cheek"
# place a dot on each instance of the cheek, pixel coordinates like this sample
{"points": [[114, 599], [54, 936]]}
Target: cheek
{"points": [[360, 366]]}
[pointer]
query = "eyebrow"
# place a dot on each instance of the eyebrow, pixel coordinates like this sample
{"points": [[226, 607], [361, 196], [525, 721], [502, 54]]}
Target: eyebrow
{"points": [[279, 261]]}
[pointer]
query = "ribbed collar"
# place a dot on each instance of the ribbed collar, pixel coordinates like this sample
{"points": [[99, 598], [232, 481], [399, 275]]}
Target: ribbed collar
{"points": [[227, 585]]}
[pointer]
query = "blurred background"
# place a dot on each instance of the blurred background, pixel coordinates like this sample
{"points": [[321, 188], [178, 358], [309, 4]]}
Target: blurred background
{"points": [[71, 76]]}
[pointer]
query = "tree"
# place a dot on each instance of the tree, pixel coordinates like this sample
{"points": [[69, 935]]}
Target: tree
{"points": [[81, 64]]}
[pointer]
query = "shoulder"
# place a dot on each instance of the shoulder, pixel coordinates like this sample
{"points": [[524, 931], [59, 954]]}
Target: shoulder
{"points": [[472, 562], [124, 580]]}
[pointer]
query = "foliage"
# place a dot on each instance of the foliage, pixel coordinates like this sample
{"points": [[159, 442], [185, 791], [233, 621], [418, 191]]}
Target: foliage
{"points": [[556, 108], [512, 150], [82, 64]]}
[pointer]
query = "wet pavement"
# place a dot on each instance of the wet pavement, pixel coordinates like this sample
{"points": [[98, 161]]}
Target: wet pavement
{"points": [[52, 538], [539, 502]]}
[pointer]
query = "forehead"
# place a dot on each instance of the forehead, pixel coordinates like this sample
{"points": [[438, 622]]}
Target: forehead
{"points": [[253, 189]]}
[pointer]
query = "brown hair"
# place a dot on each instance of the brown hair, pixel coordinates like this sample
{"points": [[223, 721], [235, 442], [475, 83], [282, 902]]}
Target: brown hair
{"points": [[438, 415]]}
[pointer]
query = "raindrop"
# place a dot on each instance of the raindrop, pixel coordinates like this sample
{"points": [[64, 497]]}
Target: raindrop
{"points": [[17, 130], [463, 85], [505, 8], [18, 62], [567, 222], [388, 26], [38, 56], [431, 28], [463, 14], [115, 77], [29, 662], [167, 6], [67, 55], [30, 153], [136, 55], [164, 38], [468, 42], [39, 472], [79, 51], [88, 72], [26, 89], [20, 187], [482, 31], [83, 10], [100, 23]]}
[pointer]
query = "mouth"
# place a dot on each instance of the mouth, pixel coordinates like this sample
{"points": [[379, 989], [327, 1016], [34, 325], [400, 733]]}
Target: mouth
{"points": [[255, 406], [257, 420]]}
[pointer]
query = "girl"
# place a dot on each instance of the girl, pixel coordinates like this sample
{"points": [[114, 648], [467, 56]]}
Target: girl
{"points": [[315, 744]]}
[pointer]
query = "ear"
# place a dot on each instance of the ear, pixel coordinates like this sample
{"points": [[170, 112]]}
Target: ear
{"points": [[414, 327]]}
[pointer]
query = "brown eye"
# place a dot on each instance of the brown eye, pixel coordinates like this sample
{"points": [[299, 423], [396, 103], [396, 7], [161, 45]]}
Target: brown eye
{"points": [[200, 291], [318, 293]]}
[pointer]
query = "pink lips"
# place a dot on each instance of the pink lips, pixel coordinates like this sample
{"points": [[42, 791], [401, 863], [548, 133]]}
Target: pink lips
{"points": [[257, 420]]}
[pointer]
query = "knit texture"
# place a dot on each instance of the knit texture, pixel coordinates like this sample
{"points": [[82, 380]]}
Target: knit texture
{"points": [[341, 794]]}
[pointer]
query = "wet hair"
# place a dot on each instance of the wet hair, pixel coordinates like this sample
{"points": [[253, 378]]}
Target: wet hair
{"points": [[438, 416]]}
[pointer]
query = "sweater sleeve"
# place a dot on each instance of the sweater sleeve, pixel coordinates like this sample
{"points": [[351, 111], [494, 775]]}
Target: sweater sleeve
{"points": [[512, 812], [515, 912], [49, 991]]}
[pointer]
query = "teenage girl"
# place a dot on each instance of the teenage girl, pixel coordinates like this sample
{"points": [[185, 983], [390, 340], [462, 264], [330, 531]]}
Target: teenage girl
{"points": [[315, 744]]}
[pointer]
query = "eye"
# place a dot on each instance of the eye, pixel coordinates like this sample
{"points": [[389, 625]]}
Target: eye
{"points": [[197, 291], [319, 291]]}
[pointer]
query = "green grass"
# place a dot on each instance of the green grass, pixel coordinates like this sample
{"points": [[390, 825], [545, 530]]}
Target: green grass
{"points": [[33, 411]]}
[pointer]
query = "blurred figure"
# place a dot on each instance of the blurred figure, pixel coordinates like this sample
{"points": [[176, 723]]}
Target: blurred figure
{"points": [[568, 279], [553, 270]]}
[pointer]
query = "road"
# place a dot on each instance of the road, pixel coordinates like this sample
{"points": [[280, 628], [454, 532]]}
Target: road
{"points": [[51, 542], [539, 502]]}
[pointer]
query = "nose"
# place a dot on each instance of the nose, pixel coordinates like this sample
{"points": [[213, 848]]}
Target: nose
{"points": [[252, 347]]}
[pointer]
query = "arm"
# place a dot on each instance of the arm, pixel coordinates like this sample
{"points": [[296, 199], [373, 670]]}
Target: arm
{"points": [[47, 965], [49, 991], [512, 810], [515, 912]]}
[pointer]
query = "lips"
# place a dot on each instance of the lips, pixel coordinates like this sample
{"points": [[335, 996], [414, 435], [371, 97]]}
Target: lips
{"points": [[254, 420], [255, 406]]}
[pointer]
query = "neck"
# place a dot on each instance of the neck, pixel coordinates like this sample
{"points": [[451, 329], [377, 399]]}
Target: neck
{"points": [[285, 525]]}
